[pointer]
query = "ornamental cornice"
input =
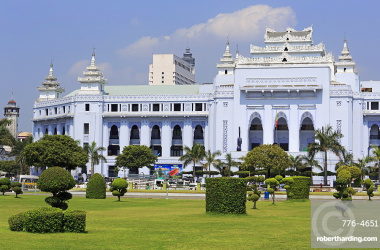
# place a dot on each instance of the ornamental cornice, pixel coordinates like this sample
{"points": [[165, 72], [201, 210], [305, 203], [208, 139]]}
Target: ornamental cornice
{"points": [[161, 98], [54, 102], [348, 93], [290, 48], [329, 58]]}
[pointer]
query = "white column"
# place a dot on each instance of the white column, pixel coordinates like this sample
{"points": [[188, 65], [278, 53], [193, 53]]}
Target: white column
{"points": [[123, 135], [166, 138], [268, 125], [294, 129], [145, 133]]}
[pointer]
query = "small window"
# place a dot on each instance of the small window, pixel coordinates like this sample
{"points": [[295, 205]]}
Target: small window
{"points": [[162, 72], [114, 107], [177, 106], [156, 107], [55, 110], [87, 107], [225, 72], [374, 105], [86, 128], [198, 107], [162, 77], [162, 81], [135, 107], [225, 104], [64, 109], [46, 112], [85, 144]]}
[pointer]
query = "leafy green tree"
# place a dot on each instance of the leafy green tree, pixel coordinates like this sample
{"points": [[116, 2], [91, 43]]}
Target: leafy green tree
{"points": [[327, 140], [16, 187], [55, 150], [119, 187], [18, 151], [229, 164], [9, 166], [134, 157], [57, 181], [355, 174], [6, 138], [5, 185], [255, 195], [270, 158], [94, 155], [273, 185], [193, 155], [369, 187], [210, 160], [310, 162]]}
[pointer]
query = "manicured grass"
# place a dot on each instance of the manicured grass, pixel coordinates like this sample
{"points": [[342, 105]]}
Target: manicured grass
{"points": [[164, 224]]}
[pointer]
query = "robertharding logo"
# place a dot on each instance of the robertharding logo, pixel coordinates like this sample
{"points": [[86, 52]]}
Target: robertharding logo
{"points": [[326, 221]]}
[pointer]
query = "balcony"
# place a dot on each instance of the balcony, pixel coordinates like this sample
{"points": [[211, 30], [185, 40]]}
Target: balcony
{"points": [[177, 142], [156, 142], [199, 141], [135, 141]]}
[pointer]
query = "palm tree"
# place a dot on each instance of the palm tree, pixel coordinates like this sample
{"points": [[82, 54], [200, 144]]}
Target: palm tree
{"points": [[193, 155], [362, 164], [18, 151], [328, 140], [346, 159], [376, 157], [296, 162], [94, 154], [210, 159], [230, 163], [219, 165], [310, 162]]}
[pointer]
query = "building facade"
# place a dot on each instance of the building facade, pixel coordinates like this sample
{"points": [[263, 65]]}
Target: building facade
{"points": [[279, 94], [169, 69]]}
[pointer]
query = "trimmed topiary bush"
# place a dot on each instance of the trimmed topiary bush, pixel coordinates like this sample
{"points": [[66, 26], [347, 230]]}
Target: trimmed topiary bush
{"points": [[74, 221], [96, 187], [16, 222], [43, 220], [5, 185], [369, 187], [56, 180], [119, 187], [226, 195], [16, 187], [300, 188]]}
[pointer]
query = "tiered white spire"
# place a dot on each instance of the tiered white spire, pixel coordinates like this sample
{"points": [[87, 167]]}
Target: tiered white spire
{"points": [[93, 80], [51, 88], [345, 54], [227, 56]]}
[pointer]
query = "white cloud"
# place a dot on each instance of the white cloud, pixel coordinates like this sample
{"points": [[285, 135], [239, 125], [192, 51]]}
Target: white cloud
{"points": [[78, 68], [144, 45]]}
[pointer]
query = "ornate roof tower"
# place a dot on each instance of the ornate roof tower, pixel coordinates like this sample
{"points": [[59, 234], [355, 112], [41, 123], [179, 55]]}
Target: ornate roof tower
{"points": [[51, 88]]}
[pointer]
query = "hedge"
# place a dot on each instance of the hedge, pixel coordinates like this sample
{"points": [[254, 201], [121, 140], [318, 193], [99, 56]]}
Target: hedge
{"points": [[74, 221], [226, 195], [96, 187], [300, 188], [43, 220], [48, 220]]}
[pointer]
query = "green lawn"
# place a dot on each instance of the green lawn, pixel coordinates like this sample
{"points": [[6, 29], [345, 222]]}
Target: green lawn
{"points": [[164, 224]]}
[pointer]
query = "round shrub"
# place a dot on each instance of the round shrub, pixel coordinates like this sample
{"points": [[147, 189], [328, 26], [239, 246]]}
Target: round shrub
{"points": [[96, 187], [56, 180], [300, 187], [119, 187]]}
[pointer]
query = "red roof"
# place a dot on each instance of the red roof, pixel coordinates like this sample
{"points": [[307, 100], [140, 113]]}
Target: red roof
{"points": [[12, 101]]}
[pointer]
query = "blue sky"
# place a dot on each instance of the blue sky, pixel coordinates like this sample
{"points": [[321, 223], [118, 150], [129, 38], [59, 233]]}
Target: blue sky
{"points": [[127, 33]]}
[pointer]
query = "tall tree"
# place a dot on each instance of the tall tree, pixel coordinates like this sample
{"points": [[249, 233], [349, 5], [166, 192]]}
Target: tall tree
{"points": [[94, 155], [229, 163], [327, 140], [6, 138], [296, 163], [270, 158], [346, 159], [18, 151], [134, 157], [362, 165], [376, 158], [310, 162], [55, 150], [210, 160], [193, 155]]}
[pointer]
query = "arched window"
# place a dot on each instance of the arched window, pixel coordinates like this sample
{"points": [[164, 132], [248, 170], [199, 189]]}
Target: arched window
{"points": [[46, 131], [177, 132], [63, 130], [156, 132], [135, 133], [198, 133], [114, 134], [55, 130]]}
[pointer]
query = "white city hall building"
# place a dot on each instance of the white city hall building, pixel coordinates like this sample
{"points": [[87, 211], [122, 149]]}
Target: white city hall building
{"points": [[290, 80]]}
